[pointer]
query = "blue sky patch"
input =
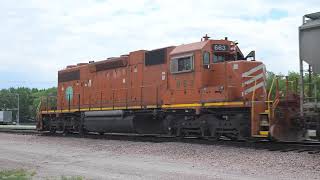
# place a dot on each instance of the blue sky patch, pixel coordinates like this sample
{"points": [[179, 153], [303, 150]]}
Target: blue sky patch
{"points": [[278, 14], [274, 14]]}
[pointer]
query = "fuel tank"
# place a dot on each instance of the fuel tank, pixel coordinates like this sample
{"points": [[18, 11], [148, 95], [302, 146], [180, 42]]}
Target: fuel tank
{"points": [[108, 121], [117, 121]]}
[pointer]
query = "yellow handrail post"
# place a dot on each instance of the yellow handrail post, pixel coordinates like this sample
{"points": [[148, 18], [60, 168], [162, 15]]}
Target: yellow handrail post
{"points": [[268, 98], [252, 100]]}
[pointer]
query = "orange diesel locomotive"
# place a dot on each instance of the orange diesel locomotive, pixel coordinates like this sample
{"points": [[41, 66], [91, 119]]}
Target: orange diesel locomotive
{"points": [[206, 88]]}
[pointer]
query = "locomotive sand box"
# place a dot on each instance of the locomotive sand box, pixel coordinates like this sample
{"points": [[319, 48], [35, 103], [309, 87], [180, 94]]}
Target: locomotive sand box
{"points": [[207, 88]]}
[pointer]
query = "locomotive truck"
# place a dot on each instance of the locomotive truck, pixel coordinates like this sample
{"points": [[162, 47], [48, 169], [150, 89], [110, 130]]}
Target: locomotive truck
{"points": [[205, 89]]}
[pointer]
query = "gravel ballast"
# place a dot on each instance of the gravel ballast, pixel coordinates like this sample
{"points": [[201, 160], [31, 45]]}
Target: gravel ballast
{"points": [[112, 159]]}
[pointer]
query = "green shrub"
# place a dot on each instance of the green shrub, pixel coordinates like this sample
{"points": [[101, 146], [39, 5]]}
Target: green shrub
{"points": [[71, 178], [18, 174]]}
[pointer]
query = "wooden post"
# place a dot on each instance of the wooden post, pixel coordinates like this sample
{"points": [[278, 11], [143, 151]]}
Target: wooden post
{"points": [[310, 83]]}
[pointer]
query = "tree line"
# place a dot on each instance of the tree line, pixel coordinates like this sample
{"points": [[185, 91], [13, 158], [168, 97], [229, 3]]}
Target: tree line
{"points": [[29, 100], [311, 86]]}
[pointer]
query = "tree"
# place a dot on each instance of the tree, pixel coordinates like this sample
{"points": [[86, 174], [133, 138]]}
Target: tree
{"points": [[293, 83], [29, 100]]}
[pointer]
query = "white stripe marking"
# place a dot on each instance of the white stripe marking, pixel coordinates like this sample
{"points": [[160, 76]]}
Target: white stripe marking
{"points": [[253, 70], [254, 79], [249, 90]]}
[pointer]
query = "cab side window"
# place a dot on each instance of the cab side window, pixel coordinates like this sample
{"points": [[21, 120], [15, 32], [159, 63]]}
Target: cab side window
{"points": [[206, 58], [218, 58], [182, 64]]}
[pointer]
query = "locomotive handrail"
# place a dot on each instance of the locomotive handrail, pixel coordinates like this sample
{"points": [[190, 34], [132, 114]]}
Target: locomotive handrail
{"points": [[268, 98], [252, 100], [69, 103], [114, 99], [127, 88], [276, 98]]}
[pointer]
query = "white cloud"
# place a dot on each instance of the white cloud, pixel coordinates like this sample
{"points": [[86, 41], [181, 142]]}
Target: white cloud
{"points": [[39, 37]]}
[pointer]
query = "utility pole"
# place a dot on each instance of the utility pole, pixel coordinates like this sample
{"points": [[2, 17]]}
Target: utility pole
{"points": [[310, 82], [301, 72], [18, 116], [301, 87]]}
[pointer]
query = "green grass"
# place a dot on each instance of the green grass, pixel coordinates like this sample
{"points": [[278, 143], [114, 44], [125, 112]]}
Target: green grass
{"points": [[21, 174], [71, 178], [18, 174]]}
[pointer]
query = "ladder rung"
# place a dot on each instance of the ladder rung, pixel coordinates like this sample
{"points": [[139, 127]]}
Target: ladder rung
{"points": [[264, 113], [264, 133]]}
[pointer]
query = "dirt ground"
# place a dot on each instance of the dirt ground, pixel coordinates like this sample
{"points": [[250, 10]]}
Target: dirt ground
{"points": [[52, 157]]}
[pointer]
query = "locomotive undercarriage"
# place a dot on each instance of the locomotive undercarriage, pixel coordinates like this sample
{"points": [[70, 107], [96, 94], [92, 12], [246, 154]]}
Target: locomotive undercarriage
{"points": [[233, 123]]}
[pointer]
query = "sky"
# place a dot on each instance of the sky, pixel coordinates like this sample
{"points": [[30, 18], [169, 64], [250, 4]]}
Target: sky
{"points": [[40, 37]]}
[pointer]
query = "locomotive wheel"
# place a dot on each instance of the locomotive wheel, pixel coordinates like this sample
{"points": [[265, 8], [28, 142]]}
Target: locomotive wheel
{"points": [[318, 132], [213, 134], [51, 128], [210, 126], [203, 131], [81, 129], [170, 131], [65, 130], [168, 126], [178, 133]]}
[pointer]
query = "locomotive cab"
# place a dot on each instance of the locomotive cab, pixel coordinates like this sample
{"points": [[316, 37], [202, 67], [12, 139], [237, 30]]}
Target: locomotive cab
{"points": [[216, 77]]}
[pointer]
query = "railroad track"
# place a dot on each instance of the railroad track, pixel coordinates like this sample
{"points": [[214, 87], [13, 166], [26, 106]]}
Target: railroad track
{"points": [[19, 131], [298, 147]]}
